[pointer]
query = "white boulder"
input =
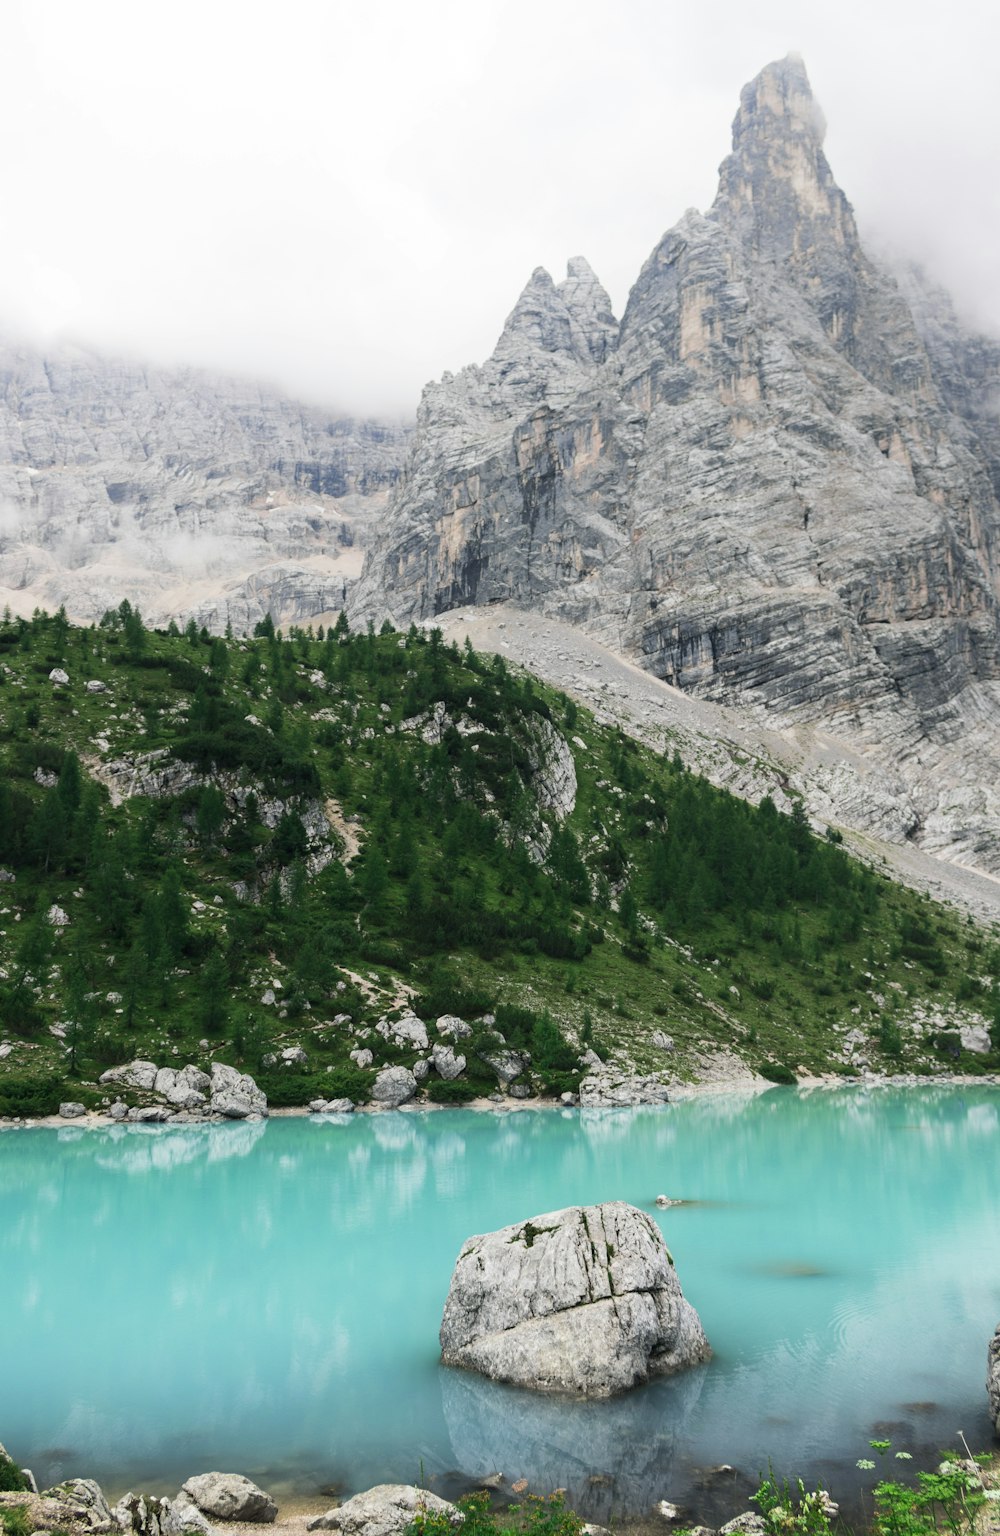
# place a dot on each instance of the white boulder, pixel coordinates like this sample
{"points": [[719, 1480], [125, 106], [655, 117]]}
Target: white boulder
{"points": [[584, 1301], [446, 1063], [393, 1086], [453, 1028], [235, 1095], [230, 1496], [409, 1031], [387, 1510], [135, 1074]]}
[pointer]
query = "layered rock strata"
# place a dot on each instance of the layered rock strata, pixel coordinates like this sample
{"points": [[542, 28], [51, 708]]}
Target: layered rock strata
{"points": [[774, 483], [583, 1301], [189, 494]]}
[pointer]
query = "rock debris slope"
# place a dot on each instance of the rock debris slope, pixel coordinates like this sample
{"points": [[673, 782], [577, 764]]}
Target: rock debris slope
{"points": [[186, 493], [584, 1301], [774, 483]]}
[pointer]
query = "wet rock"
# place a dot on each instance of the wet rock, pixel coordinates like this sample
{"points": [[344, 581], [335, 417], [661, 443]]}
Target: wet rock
{"points": [[613, 1462], [748, 1524], [584, 1300], [230, 1496]]}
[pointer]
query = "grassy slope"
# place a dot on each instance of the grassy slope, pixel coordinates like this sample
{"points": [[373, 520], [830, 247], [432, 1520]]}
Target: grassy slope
{"points": [[672, 906]]}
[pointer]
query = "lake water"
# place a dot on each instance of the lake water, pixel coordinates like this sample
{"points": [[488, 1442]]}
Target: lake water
{"points": [[266, 1298]]}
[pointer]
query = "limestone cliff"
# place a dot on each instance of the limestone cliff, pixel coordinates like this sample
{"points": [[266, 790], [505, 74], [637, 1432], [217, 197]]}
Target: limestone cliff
{"points": [[186, 493], [774, 484]]}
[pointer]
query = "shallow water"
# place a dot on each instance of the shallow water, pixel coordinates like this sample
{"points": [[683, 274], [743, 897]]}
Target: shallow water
{"points": [[266, 1298]]}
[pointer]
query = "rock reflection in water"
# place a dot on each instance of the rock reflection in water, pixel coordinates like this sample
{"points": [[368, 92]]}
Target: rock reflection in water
{"points": [[612, 1457]]}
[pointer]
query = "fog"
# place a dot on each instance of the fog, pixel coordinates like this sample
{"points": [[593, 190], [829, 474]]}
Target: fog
{"points": [[347, 199]]}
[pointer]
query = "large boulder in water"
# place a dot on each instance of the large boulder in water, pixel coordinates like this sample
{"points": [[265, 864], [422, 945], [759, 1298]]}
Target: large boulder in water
{"points": [[993, 1378], [584, 1301]]}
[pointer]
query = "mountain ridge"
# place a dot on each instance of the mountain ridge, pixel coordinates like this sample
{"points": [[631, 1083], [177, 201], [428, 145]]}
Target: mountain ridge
{"points": [[763, 493], [191, 494]]}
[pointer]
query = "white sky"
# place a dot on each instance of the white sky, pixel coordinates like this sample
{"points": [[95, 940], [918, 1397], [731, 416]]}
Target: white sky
{"points": [[348, 197]]}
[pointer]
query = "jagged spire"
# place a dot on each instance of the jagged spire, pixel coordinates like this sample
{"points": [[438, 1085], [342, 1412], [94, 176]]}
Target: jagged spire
{"points": [[776, 187], [589, 306], [573, 318]]}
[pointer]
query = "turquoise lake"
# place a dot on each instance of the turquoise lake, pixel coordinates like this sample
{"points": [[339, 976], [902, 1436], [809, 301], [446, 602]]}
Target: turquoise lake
{"points": [[266, 1297]]}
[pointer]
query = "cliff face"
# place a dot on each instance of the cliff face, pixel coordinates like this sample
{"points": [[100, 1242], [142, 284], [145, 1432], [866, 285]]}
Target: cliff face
{"points": [[775, 483], [187, 494]]}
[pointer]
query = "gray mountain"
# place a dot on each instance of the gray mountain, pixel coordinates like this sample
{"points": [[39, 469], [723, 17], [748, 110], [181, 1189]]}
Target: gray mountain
{"points": [[186, 493], [774, 484]]}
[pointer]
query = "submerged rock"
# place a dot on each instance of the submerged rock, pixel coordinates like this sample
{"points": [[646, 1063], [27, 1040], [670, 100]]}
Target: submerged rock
{"points": [[993, 1378], [584, 1301], [615, 1458], [230, 1496], [387, 1510]]}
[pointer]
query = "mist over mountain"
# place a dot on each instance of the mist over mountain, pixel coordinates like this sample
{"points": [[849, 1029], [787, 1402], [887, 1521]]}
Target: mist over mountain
{"points": [[192, 495], [774, 483]]}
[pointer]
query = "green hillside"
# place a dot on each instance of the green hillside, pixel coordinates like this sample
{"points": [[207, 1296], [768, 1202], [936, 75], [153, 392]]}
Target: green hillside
{"points": [[346, 822]]}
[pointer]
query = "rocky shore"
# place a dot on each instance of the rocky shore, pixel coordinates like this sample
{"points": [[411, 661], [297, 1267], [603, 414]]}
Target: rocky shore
{"points": [[229, 1504]]}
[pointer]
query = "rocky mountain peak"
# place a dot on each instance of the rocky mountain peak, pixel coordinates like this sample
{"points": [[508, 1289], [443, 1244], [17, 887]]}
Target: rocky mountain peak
{"points": [[573, 320], [779, 489], [777, 187], [589, 305]]}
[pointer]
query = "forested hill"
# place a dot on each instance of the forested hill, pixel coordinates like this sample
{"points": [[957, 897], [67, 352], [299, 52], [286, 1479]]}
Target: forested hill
{"points": [[238, 847]]}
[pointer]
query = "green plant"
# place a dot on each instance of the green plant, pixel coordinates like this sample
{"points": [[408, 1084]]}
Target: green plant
{"points": [[16, 1520], [31, 1094], [12, 1479], [788, 1509], [945, 1500]]}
